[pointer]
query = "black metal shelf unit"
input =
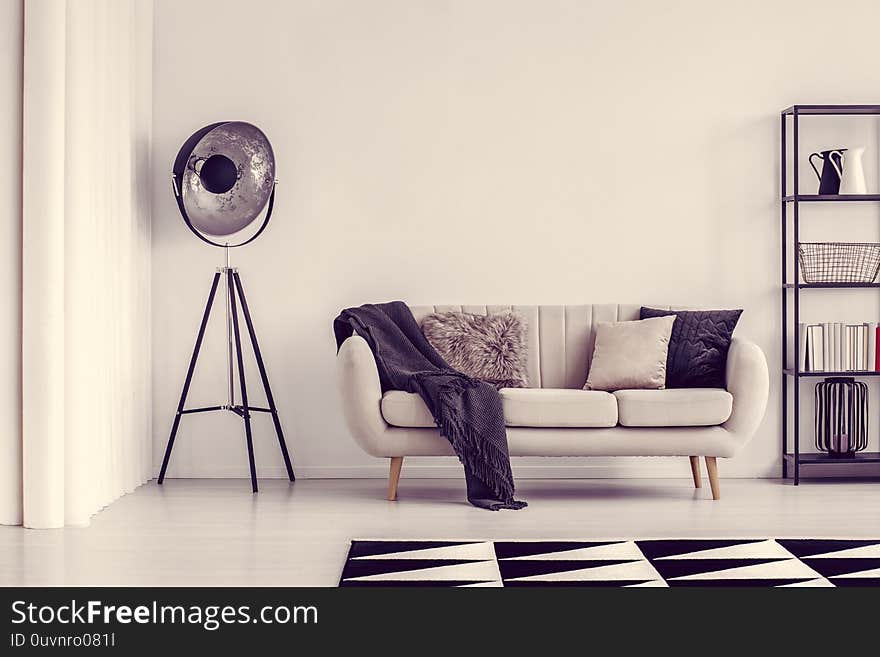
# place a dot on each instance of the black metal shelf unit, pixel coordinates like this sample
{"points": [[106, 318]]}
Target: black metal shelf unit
{"points": [[793, 460]]}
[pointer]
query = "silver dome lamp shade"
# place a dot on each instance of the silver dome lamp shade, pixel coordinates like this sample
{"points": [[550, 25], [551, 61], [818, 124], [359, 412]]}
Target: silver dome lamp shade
{"points": [[224, 176]]}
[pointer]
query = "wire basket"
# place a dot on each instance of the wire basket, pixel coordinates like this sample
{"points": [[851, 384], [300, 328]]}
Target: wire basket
{"points": [[839, 262]]}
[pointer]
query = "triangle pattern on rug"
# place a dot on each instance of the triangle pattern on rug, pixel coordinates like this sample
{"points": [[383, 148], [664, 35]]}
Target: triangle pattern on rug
{"points": [[847, 567], [810, 583], [578, 571], [521, 549], [462, 551], [427, 570], [369, 567], [812, 547], [768, 549], [624, 550], [437, 583], [514, 568], [863, 552], [375, 548], [736, 583], [657, 549], [578, 583], [672, 568], [873, 573], [871, 582], [738, 562], [483, 585], [739, 569], [654, 583]]}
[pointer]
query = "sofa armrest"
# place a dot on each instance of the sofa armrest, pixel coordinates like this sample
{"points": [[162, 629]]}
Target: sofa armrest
{"points": [[749, 383], [361, 393]]}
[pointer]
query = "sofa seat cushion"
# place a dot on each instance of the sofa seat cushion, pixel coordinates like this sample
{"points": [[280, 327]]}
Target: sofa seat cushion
{"points": [[405, 409], [674, 407], [523, 407], [557, 407]]}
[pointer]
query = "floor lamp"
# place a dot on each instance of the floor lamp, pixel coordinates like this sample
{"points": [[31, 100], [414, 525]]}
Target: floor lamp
{"points": [[223, 178]]}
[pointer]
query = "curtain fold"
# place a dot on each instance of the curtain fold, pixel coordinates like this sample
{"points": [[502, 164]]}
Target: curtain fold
{"points": [[11, 49], [85, 248]]}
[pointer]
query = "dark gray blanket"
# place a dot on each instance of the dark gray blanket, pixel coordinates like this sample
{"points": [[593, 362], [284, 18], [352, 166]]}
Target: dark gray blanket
{"points": [[467, 411]]}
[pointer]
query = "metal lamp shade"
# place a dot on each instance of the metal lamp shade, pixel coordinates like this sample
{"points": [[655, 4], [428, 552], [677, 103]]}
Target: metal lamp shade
{"points": [[226, 174]]}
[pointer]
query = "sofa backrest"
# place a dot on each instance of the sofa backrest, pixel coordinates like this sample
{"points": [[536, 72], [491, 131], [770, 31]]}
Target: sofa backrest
{"points": [[560, 338]]}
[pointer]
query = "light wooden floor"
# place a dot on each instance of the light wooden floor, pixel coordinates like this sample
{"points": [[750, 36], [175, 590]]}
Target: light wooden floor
{"points": [[215, 532]]}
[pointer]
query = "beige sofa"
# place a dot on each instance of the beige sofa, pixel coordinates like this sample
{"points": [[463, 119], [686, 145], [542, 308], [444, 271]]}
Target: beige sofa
{"points": [[555, 417]]}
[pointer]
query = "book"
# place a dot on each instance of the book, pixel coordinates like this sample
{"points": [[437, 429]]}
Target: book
{"points": [[861, 334], [877, 351], [850, 348], [809, 361], [860, 351], [872, 345], [832, 364], [856, 347], [837, 364], [828, 335], [857, 336], [853, 355], [815, 348], [863, 347], [802, 348]]}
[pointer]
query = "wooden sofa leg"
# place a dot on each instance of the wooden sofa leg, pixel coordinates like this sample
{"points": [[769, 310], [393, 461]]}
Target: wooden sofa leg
{"points": [[712, 470], [394, 477], [695, 471]]}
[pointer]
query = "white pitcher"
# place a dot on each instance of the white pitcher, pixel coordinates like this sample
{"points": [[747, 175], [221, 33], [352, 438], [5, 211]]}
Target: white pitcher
{"points": [[852, 178]]}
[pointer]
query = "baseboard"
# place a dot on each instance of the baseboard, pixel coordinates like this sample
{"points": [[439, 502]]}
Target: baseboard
{"points": [[670, 469]]}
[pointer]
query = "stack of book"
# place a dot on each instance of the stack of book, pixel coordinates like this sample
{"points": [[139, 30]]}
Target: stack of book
{"points": [[839, 347]]}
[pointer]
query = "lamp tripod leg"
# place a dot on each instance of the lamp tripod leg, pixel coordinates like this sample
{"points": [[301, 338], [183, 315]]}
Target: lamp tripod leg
{"points": [[265, 378], [188, 380], [230, 343], [246, 414]]}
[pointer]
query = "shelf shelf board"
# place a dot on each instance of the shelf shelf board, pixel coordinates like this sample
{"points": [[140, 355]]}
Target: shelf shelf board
{"points": [[856, 373], [824, 198], [826, 110], [811, 458], [819, 286], [823, 459]]}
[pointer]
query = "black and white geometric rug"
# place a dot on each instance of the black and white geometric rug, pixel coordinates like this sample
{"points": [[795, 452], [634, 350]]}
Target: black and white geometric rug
{"points": [[667, 562]]}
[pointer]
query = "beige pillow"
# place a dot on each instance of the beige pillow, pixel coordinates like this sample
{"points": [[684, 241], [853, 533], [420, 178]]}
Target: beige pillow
{"points": [[630, 354]]}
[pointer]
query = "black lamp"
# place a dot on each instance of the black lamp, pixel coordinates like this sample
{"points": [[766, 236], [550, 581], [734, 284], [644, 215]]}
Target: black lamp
{"points": [[223, 178]]}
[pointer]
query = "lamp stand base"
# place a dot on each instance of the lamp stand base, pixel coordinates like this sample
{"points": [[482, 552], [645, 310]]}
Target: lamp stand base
{"points": [[234, 290]]}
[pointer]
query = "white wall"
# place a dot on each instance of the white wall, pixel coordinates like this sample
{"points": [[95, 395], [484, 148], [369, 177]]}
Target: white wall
{"points": [[491, 151]]}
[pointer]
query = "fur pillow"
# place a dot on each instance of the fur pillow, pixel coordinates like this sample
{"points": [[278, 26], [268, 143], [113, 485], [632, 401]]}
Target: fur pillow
{"points": [[491, 348]]}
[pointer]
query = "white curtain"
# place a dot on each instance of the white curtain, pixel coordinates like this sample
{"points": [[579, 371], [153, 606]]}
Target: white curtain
{"points": [[85, 261]]}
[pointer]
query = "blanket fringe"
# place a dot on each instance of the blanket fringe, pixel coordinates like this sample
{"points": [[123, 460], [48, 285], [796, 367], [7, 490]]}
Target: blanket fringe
{"points": [[486, 461]]}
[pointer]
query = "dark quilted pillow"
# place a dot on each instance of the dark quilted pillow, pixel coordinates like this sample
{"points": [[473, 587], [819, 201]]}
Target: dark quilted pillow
{"points": [[698, 347]]}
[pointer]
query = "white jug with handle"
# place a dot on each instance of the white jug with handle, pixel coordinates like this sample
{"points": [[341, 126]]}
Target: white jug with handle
{"points": [[852, 178]]}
